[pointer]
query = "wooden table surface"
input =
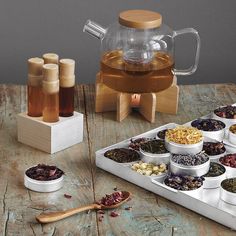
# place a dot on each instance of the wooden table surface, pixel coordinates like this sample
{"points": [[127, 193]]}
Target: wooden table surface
{"points": [[150, 214]]}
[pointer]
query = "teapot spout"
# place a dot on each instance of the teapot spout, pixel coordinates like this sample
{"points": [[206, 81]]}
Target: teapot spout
{"points": [[94, 29]]}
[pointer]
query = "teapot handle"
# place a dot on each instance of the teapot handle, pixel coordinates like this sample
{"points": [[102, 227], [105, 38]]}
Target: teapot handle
{"points": [[192, 68]]}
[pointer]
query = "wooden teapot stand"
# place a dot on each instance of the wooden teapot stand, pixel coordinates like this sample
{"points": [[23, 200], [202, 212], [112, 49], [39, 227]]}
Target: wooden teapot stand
{"points": [[147, 104]]}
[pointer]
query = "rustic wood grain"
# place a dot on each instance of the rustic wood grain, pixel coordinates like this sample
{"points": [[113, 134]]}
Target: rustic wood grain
{"points": [[19, 206], [150, 214]]}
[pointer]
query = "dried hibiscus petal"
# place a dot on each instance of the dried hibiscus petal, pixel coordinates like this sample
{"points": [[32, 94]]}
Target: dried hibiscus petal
{"points": [[52, 172], [67, 196], [44, 172], [112, 199], [114, 214]]}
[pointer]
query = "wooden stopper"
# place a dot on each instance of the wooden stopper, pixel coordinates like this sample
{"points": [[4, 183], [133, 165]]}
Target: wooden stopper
{"points": [[140, 19], [50, 58], [35, 66], [50, 72], [67, 67], [67, 73]]}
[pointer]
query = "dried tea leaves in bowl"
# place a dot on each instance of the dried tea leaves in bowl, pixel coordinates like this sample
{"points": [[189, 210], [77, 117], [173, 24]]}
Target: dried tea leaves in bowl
{"points": [[215, 170], [44, 172], [122, 155], [229, 185], [229, 160], [162, 134], [184, 135], [228, 112], [213, 149], [184, 183], [156, 146], [190, 159], [233, 129], [208, 124], [136, 143]]}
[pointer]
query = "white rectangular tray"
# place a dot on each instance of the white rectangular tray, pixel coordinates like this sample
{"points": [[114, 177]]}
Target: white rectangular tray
{"points": [[208, 204]]}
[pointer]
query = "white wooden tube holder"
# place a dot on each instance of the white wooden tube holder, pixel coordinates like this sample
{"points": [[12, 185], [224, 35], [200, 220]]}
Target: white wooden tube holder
{"points": [[50, 137]]}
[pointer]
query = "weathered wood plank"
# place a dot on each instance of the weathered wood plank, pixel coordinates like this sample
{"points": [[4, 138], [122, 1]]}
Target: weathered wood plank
{"points": [[19, 206], [151, 214]]}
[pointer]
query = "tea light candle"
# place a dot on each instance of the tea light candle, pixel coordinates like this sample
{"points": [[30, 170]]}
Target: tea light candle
{"points": [[135, 100]]}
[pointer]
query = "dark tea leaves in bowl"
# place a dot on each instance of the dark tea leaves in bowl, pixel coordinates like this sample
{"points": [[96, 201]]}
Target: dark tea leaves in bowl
{"points": [[215, 170], [122, 155], [184, 183], [44, 172], [162, 134], [229, 185], [156, 146], [213, 149], [208, 124], [228, 112], [136, 143]]}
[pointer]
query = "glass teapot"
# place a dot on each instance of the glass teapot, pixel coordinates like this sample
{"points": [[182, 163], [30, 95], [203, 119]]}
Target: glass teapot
{"points": [[138, 52]]}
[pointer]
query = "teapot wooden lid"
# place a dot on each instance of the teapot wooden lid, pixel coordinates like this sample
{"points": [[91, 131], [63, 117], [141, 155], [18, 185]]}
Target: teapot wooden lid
{"points": [[140, 19]]}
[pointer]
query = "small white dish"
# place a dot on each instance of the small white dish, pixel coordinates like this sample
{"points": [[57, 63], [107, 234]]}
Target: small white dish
{"points": [[198, 170], [228, 122], [216, 135], [230, 171], [227, 196], [215, 181], [43, 186], [183, 148], [232, 136]]}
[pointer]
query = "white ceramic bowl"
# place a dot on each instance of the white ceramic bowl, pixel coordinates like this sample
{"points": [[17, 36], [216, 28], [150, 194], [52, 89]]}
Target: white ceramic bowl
{"points": [[227, 196], [43, 186], [196, 193], [230, 171], [155, 158], [214, 158], [214, 182], [232, 137], [198, 170], [216, 135], [183, 148], [228, 122]]}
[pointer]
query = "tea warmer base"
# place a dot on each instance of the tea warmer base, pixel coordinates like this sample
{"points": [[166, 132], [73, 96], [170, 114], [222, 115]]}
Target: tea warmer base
{"points": [[108, 99], [50, 137]]}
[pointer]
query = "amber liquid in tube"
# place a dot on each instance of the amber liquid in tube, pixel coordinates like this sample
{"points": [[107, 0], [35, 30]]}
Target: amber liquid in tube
{"points": [[51, 107], [137, 77], [35, 98], [66, 101], [67, 84], [50, 93]]}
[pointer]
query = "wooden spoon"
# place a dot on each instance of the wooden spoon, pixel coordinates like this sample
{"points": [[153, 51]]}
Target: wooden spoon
{"points": [[55, 216]]}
